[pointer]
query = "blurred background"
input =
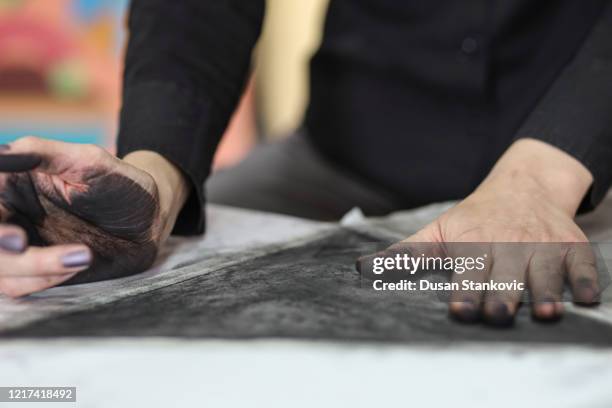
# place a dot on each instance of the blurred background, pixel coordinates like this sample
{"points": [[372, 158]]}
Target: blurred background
{"points": [[60, 72]]}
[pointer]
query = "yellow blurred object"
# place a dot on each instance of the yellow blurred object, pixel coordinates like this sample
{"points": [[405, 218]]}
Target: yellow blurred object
{"points": [[292, 32], [101, 34], [9, 4]]}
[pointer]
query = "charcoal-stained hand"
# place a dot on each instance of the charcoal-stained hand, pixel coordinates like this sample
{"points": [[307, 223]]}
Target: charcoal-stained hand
{"points": [[529, 241], [72, 212], [522, 214]]}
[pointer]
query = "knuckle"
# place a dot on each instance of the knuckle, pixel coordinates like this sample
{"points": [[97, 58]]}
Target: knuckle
{"points": [[27, 142], [34, 262], [573, 237], [94, 151], [42, 264], [586, 264], [581, 257]]}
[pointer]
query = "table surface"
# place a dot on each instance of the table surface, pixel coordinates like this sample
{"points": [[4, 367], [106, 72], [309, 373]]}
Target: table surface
{"points": [[242, 316]]}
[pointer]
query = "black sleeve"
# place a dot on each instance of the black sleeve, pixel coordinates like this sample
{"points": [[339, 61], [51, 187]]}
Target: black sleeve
{"points": [[576, 113], [185, 68]]}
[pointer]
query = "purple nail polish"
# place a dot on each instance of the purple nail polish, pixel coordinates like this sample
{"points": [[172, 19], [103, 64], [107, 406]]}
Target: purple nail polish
{"points": [[12, 243], [76, 259]]}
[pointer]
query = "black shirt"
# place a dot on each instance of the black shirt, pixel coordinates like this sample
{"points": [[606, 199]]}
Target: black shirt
{"points": [[419, 97]]}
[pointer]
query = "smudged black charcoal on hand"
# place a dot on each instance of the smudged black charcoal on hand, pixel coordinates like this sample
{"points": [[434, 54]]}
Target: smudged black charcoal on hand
{"points": [[20, 197], [109, 212], [114, 203], [125, 212], [18, 163]]}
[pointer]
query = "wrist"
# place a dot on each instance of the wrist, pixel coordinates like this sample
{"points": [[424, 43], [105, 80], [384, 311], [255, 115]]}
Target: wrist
{"points": [[533, 167], [172, 185]]}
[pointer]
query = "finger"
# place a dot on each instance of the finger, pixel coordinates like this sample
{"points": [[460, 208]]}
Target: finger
{"points": [[366, 264], [48, 261], [422, 241], [12, 239], [465, 304], [509, 265], [545, 277], [18, 287], [582, 273], [53, 157]]}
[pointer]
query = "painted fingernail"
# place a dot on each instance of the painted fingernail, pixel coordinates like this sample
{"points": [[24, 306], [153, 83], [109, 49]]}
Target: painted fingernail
{"points": [[468, 311], [4, 147], [76, 259], [12, 243], [498, 314]]}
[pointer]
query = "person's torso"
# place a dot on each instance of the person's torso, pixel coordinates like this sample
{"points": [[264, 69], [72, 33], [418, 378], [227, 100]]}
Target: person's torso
{"points": [[422, 97]]}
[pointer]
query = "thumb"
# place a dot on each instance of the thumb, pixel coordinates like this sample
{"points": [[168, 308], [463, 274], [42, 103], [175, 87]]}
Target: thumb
{"points": [[422, 243], [48, 156], [16, 163]]}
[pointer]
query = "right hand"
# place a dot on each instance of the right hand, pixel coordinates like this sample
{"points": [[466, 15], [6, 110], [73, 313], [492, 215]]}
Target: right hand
{"points": [[87, 212]]}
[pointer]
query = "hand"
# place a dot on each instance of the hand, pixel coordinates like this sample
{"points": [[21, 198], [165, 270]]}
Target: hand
{"points": [[530, 196], [86, 212], [26, 270]]}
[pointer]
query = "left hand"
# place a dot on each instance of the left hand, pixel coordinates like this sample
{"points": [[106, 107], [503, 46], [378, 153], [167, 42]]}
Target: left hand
{"points": [[70, 197], [531, 196]]}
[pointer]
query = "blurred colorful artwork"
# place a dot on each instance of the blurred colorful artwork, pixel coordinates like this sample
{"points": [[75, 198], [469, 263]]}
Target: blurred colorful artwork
{"points": [[60, 75], [59, 68]]}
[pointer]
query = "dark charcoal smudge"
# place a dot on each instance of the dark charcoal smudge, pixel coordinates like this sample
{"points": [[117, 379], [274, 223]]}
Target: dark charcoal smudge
{"points": [[20, 197], [18, 163], [305, 292], [114, 218], [114, 203]]}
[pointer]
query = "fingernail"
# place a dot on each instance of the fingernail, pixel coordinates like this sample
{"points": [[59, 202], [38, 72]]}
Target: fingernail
{"points": [[12, 243], [76, 259], [364, 263], [585, 291], [498, 314], [4, 147], [546, 309], [468, 312]]}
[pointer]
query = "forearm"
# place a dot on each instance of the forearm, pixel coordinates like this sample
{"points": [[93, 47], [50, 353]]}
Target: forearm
{"points": [[531, 166]]}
